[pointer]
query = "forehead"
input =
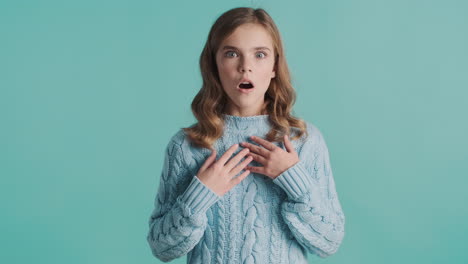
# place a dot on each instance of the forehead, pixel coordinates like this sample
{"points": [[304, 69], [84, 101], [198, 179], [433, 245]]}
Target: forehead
{"points": [[247, 36]]}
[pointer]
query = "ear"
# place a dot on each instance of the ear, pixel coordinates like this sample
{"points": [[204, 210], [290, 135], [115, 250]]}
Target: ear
{"points": [[273, 72]]}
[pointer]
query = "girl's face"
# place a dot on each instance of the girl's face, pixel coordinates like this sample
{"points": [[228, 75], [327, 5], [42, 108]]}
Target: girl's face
{"points": [[246, 54]]}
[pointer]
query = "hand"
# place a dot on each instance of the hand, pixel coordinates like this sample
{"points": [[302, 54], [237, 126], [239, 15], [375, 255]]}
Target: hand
{"points": [[274, 159], [218, 176]]}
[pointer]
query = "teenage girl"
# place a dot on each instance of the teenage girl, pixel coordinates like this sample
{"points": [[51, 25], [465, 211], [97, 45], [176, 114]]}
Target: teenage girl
{"points": [[249, 182]]}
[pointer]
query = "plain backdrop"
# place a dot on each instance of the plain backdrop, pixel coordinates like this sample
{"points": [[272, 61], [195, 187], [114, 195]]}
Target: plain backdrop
{"points": [[91, 92]]}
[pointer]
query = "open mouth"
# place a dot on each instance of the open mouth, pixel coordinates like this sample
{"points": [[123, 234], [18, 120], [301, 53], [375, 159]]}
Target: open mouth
{"points": [[246, 85]]}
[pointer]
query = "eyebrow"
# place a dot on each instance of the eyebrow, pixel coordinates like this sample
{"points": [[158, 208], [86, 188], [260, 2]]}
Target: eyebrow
{"points": [[255, 48]]}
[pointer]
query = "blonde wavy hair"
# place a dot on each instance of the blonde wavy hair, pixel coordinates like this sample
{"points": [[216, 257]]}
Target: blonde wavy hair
{"points": [[210, 103]]}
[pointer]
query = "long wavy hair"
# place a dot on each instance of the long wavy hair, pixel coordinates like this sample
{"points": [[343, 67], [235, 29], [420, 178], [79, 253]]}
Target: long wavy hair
{"points": [[210, 103]]}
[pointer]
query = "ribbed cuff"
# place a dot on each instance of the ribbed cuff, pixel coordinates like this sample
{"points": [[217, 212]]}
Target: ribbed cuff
{"points": [[198, 197], [295, 181]]}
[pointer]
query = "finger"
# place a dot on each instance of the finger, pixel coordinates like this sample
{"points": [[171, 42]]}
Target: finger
{"points": [[240, 166], [228, 154], [209, 160], [236, 159], [256, 169], [257, 149], [258, 158], [240, 178], [289, 146], [267, 144]]}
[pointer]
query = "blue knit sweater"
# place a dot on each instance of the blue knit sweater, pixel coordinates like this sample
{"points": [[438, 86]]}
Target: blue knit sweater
{"points": [[260, 220]]}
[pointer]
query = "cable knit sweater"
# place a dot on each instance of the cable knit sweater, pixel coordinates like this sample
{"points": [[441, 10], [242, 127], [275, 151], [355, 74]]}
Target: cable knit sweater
{"points": [[260, 220]]}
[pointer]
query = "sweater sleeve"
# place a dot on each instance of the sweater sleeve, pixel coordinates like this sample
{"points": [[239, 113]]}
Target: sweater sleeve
{"points": [[178, 220], [312, 209]]}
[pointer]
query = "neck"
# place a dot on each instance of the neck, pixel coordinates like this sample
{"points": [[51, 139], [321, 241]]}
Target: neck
{"points": [[245, 112], [246, 123]]}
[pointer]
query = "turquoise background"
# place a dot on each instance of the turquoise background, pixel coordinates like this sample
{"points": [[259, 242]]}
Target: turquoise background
{"points": [[91, 92]]}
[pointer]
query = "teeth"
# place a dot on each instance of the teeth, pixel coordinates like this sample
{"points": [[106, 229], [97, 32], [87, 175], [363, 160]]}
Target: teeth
{"points": [[245, 82]]}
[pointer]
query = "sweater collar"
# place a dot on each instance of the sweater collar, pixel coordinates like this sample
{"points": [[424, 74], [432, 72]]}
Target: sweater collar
{"points": [[245, 122]]}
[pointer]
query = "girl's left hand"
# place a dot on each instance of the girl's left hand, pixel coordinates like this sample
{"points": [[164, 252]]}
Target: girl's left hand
{"points": [[274, 159]]}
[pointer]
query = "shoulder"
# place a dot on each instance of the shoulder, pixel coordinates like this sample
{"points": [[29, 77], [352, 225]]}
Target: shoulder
{"points": [[313, 136], [177, 144], [178, 138], [180, 147], [310, 144]]}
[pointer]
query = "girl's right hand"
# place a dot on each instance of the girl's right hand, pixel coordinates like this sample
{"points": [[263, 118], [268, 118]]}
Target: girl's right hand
{"points": [[218, 176]]}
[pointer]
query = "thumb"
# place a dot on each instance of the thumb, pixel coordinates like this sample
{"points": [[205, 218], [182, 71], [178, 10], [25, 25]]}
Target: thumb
{"points": [[209, 160]]}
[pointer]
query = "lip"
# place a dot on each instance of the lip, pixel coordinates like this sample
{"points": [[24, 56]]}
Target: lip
{"points": [[245, 90], [242, 90], [246, 80]]}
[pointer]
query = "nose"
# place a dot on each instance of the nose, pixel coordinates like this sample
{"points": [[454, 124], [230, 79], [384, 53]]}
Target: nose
{"points": [[244, 66]]}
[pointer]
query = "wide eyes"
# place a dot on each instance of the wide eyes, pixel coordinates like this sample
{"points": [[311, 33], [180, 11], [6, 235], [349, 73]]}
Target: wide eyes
{"points": [[232, 54]]}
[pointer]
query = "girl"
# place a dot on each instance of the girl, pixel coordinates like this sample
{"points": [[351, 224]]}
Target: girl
{"points": [[271, 202]]}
